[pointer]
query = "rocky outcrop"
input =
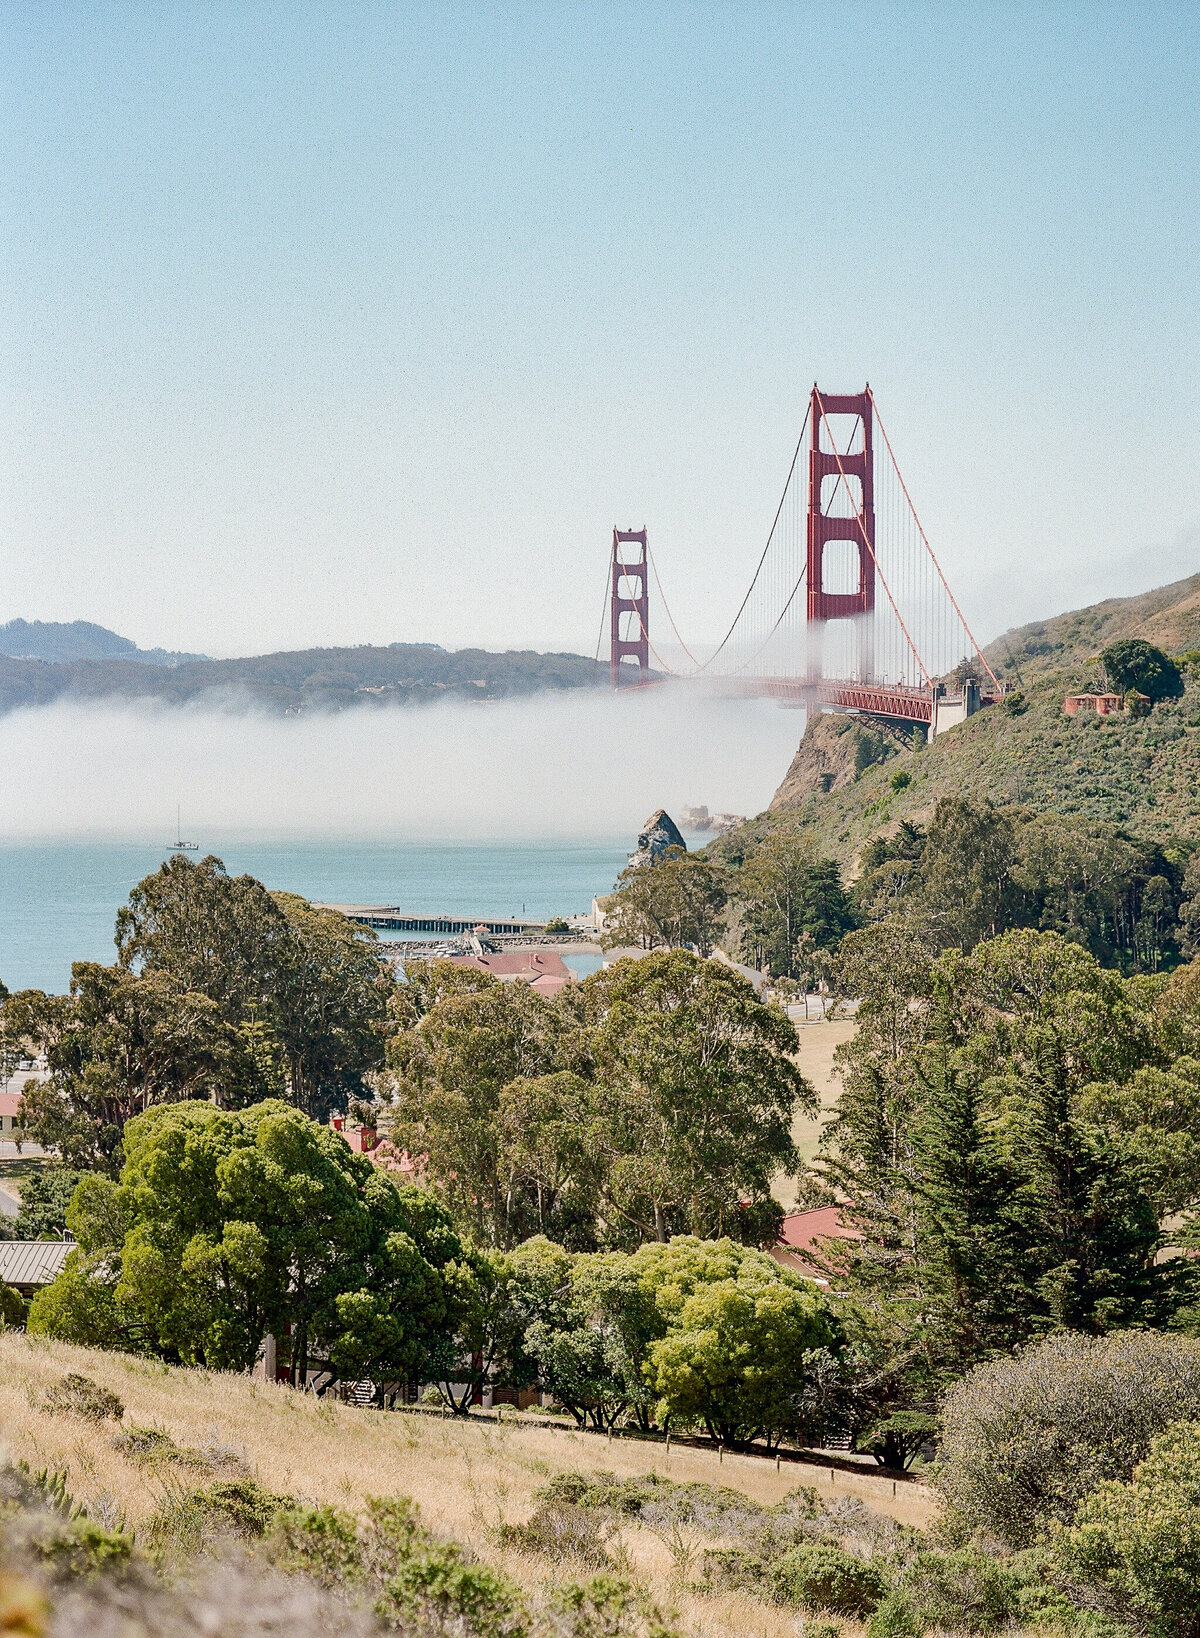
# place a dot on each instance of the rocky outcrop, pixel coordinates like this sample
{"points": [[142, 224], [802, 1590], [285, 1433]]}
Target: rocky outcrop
{"points": [[658, 834], [834, 751]]}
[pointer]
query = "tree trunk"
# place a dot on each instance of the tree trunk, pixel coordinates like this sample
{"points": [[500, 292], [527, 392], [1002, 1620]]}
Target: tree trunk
{"points": [[660, 1223]]}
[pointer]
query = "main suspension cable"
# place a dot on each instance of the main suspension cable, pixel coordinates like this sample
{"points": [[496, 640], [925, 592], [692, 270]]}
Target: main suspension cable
{"points": [[932, 554], [766, 548], [667, 609]]}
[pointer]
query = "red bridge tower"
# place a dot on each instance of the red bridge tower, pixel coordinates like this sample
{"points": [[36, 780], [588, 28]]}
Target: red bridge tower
{"points": [[852, 474], [630, 596]]}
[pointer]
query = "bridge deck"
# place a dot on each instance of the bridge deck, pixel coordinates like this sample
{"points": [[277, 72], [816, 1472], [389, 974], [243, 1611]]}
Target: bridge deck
{"points": [[878, 699]]}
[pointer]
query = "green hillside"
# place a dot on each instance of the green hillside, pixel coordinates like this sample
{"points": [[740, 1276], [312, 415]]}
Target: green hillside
{"points": [[850, 781]]}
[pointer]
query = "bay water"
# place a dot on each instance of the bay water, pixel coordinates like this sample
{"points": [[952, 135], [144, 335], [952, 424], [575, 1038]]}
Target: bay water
{"points": [[59, 897]]}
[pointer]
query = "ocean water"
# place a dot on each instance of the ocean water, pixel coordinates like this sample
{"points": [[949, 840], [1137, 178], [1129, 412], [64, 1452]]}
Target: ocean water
{"points": [[59, 899]]}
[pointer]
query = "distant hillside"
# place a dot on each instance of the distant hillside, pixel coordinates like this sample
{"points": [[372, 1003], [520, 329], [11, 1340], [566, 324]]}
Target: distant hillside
{"points": [[328, 679], [1169, 616], [57, 642], [850, 780]]}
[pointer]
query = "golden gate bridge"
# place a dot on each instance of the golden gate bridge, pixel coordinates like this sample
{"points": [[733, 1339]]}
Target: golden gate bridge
{"points": [[847, 609]]}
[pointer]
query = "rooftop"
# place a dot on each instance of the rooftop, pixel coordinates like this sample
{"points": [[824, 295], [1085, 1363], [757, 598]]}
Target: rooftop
{"points": [[32, 1262]]}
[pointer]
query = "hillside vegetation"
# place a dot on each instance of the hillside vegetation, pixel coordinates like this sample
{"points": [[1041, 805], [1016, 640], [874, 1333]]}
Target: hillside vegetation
{"points": [[328, 679], [478, 1483], [1168, 616], [851, 781]]}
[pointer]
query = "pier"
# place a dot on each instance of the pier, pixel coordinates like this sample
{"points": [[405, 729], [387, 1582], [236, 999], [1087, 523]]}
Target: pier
{"points": [[387, 918]]}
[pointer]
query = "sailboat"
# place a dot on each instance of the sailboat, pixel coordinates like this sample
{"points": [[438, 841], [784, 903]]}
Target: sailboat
{"points": [[179, 845]]}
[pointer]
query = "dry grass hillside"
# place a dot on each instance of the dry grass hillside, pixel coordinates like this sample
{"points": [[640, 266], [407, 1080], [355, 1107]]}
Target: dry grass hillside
{"points": [[467, 1478]]}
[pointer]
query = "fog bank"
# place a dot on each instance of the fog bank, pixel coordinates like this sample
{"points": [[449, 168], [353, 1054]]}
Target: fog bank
{"points": [[561, 765]]}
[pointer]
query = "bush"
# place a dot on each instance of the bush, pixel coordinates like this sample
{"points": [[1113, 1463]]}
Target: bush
{"points": [[438, 1588], [733, 1569], [966, 1591], [190, 1520], [13, 1308], [1140, 1540], [72, 1548], [147, 1446], [1025, 1439], [321, 1542], [896, 1617], [901, 779], [826, 1578], [607, 1606], [562, 1530], [80, 1396]]}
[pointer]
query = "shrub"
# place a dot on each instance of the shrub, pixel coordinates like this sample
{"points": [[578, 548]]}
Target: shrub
{"points": [[1139, 1540], [79, 1396], [733, 1569], [562, 1530], [901, 779], [826, 1578], [71, 1548], [1025, 1439], [438, 1588], [13, 1308], [967, 1591], [607, 1606], [321, 1542], [896, 1617], [147, 1446], [188, 1521], [1014, 702]]}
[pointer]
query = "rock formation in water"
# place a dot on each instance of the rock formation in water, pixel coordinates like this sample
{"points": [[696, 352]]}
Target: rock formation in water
{"points": [[658, 834]]}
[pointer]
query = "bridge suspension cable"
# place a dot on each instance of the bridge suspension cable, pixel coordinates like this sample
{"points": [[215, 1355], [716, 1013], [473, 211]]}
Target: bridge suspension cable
{"points": [[848, 518]]}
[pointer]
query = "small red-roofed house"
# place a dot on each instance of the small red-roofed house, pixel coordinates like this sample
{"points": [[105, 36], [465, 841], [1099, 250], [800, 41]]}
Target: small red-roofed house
{"points": [[10, 1114], [801, 1236], [543, 970]]}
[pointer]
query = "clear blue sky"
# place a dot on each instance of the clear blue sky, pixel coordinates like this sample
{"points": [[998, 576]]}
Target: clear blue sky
{"points": [[347, 323]]}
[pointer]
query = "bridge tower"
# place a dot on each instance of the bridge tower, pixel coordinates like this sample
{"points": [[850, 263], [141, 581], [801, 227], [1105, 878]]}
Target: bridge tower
{"points": [[852, 475], [630, 595]]}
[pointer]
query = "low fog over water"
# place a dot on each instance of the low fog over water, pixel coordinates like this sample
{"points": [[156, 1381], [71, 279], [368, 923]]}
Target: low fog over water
{"points": [[565, 765]]}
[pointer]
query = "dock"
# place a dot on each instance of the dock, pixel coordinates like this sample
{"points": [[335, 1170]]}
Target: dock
{"points": [[388, 918]]}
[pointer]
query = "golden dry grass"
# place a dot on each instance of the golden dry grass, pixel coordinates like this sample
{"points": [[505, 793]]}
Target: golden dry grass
{"points": [[818, 1043], [466, 1477]]}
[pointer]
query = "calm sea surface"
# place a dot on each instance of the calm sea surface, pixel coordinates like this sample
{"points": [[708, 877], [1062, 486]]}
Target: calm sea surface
{"points": [[59, 899]]}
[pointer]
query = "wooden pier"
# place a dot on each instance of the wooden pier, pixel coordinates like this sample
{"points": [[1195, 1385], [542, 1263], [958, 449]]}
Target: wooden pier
{"points": [[389, 919]]}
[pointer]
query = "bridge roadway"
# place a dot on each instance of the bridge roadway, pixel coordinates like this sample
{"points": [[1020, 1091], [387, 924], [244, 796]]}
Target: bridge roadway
{"points": [[896, 702], [387, 918]]}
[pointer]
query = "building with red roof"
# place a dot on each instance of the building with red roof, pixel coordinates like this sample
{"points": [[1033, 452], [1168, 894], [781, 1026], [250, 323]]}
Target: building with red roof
{"points": [[802, 1235], [543, 970]]}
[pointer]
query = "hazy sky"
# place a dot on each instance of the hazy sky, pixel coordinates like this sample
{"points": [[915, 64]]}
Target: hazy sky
{"points": [[361, 323]]}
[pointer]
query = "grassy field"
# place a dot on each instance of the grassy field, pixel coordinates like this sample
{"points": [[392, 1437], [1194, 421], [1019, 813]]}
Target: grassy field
{"points": [[818, 1043], [467, 1478]]}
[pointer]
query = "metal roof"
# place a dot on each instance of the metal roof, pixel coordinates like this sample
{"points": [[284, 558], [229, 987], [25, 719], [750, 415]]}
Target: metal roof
{"points": [[33, 1262]]}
